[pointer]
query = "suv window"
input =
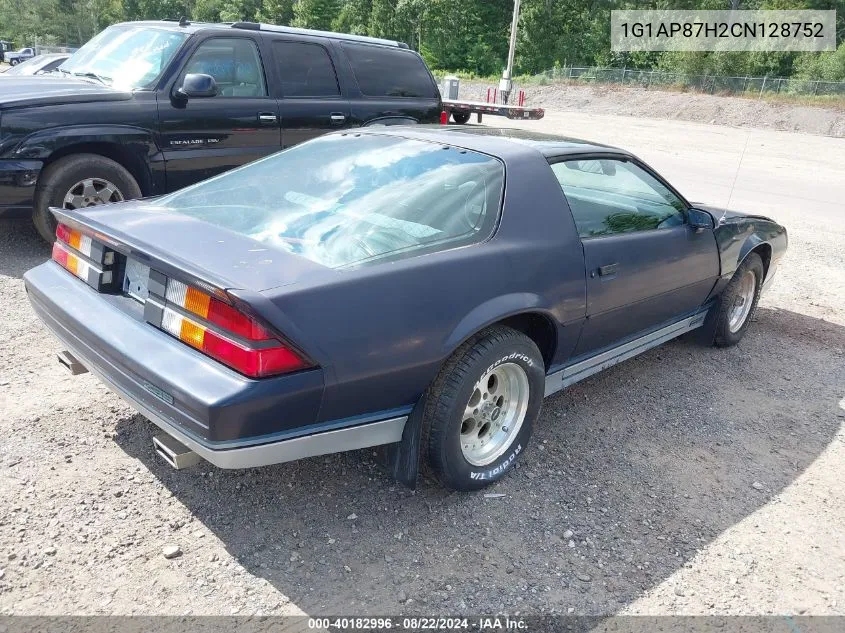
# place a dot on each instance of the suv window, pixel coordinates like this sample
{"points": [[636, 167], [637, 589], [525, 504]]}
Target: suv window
{"points": [[614, 196], [233, 62], [306, 70], [382, 71]]}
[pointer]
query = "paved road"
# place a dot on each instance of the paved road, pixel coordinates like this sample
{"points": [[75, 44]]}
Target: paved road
{"points": [[637, 492]]}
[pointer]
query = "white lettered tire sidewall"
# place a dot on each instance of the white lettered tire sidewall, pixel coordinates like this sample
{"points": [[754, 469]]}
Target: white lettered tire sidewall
{"points": [[503, 345]]}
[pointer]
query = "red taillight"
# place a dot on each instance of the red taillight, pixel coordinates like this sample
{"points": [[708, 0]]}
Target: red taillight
{"points": [[252, 362], [230, 319], [444, 117], [60, 254], [270, 358], [63, 233]]}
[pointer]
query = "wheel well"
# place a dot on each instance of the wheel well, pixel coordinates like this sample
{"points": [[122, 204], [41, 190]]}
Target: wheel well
{"points": [[539, 328], [765, 253], [115, 152]]}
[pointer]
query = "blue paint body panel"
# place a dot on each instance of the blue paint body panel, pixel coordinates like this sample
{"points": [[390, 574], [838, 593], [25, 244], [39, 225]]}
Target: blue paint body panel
{"points": [[380, 333]]}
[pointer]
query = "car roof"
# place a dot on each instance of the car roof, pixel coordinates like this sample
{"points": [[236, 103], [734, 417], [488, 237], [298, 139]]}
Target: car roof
{"points": [[501, 141], [194, 27]]}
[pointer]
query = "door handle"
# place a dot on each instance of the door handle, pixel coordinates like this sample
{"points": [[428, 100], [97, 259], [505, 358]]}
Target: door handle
{"points": [[267, 117], [608, 269], [337, 118]]}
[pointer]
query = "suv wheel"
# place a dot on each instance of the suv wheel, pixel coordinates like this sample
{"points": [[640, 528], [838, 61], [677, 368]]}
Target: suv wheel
{"points": [[481, 408], [79, 181]]}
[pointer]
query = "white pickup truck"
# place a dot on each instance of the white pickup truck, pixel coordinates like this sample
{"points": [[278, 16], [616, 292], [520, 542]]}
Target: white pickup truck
{"points": [[16, 57]]}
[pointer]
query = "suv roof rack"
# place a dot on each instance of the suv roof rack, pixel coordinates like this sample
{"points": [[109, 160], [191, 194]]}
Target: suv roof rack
{"points": [[261, 26]]}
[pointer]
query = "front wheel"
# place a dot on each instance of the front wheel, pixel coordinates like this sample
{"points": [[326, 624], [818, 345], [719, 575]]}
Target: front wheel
{"points": [[739, 301], [481, 409], [79, 181]]}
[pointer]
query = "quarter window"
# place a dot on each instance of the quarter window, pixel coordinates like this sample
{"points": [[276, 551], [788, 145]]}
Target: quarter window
{"points": [[614, 196], [384, 71], [234, 63], [306, 70]]}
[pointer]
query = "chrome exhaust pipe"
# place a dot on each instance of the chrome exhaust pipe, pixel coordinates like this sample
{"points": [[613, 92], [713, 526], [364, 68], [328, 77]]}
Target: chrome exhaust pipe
{"points": [[174, 452], [71, 363]]}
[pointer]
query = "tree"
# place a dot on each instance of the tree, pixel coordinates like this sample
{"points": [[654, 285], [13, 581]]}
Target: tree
{"points": [[315, 14], [276, 11]]}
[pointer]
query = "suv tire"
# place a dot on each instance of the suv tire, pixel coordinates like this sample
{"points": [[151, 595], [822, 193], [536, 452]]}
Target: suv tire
{"points": [[109, 182]]}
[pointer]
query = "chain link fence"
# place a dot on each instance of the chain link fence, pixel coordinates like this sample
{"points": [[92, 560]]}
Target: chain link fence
{"points": [[711, 84]]}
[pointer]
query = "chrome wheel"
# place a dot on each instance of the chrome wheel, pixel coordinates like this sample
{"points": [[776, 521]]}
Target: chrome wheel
{"points": [[494, 414], [741, 307], [91, 192]]}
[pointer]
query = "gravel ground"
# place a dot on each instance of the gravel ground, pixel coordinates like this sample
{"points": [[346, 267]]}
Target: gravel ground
{"points": [[685, 106], [687, 480]]}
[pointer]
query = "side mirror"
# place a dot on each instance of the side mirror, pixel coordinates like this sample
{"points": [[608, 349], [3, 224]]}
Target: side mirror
{"points": [[196, 86], [699, 220]]}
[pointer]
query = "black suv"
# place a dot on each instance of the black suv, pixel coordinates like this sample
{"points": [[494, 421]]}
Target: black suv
{"points": [[145, 108]]}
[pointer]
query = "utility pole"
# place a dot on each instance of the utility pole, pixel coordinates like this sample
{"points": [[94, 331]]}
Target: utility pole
{"points": [[505, 84]]}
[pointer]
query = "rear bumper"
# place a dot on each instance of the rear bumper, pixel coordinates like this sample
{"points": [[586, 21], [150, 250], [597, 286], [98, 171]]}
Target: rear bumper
{"points": [[17, 186], [228, 419]]}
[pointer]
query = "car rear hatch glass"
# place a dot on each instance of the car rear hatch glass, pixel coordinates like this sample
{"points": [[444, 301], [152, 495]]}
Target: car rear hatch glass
{"points": [[353, 199]]}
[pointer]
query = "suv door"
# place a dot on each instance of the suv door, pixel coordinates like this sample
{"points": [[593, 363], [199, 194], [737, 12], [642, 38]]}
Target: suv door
{"points": [[645, 264], [204, 136], [310, 99]]}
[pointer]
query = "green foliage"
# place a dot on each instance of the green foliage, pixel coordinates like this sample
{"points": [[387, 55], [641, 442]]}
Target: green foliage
{"points": [[470, 36], [315, 14], [828, 66]]}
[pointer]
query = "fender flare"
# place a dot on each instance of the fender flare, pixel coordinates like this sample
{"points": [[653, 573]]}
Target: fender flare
{"points": [[490, 312], [751, 242], [139, 144]]}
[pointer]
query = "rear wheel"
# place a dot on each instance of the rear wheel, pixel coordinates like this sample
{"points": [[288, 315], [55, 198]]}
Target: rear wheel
{"points": [[13, 62], [460, 117], [79, 181], [739, 301], [481, 409]]}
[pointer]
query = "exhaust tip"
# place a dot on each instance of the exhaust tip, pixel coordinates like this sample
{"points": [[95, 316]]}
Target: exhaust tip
{"points": [[174, 452], [71, 363]]}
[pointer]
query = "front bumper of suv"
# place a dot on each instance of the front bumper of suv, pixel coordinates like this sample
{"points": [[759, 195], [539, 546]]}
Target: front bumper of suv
{"points": [[17, 186]]}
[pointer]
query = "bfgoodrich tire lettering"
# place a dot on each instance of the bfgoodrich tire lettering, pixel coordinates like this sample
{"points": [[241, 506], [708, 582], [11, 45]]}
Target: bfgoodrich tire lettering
{"points": [[442, 453], [57, 179]]}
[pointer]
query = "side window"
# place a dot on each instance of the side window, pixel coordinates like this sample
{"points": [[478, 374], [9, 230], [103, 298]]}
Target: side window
{"points": [[384, 71], [306, 70], [615, 196], [233, 62]]}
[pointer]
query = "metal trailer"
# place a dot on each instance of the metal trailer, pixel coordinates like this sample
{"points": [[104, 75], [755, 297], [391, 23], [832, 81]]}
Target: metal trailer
{"points": [[460, 111]]}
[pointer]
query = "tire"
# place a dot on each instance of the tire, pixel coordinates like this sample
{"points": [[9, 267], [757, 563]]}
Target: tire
{"points": [[13, 62], [517, 365], [738, 302], [60, 178], [460, 117]]}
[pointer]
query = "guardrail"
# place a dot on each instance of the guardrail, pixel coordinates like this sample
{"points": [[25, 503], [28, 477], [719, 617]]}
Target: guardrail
{"points": [[712, 84]]}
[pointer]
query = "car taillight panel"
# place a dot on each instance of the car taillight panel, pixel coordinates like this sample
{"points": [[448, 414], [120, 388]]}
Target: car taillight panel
{"points": [[84, 257], [207, 323], [225, 333]]}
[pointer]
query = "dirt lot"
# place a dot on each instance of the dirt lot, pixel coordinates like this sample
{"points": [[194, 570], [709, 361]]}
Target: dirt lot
{"points": [[687, 480], [689, 106]]}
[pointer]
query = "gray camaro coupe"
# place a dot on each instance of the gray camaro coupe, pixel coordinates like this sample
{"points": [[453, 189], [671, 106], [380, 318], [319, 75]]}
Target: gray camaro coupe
{"points": [[420, 289]]}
